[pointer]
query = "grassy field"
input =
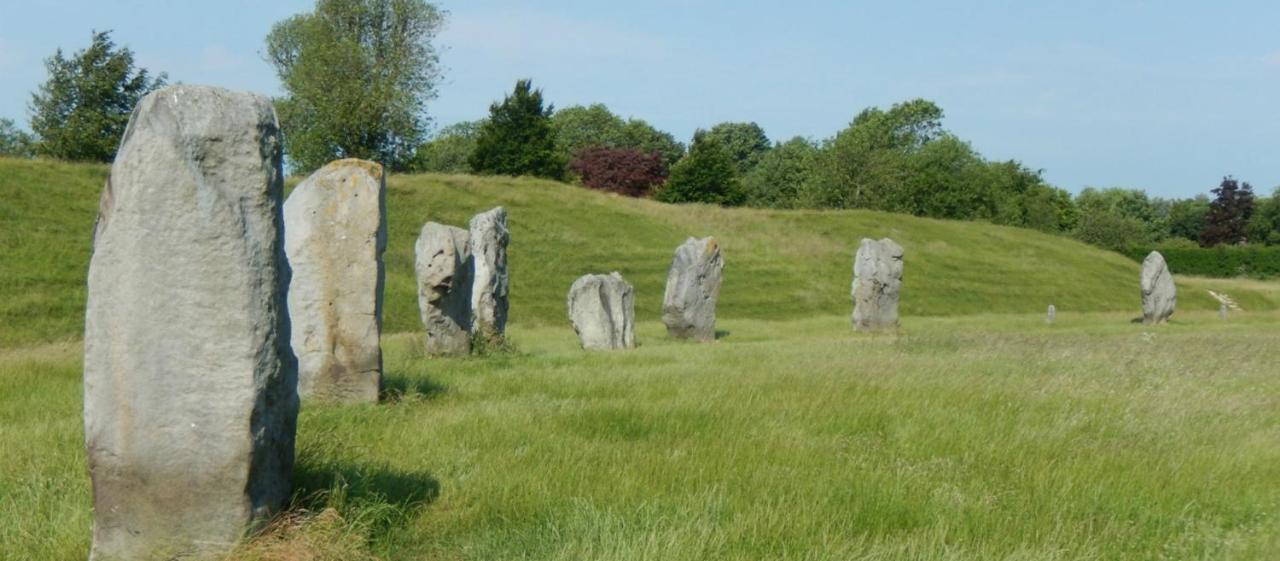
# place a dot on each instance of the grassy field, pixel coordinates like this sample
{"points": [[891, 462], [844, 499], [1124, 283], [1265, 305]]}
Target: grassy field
{"points": [[977, 432], [983, 437], [779, 265]]}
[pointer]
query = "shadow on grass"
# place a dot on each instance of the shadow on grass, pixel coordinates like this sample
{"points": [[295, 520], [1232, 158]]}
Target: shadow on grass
{"points": [[396, 387], [721, 334], [317, 483]]}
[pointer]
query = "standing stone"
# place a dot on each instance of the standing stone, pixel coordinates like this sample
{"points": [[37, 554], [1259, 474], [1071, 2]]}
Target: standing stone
{"points": [[1051, 315], [1222, 312], [877, 280], [190, 398], [489, 239], [335, 232], [602, 311], [1158, 292], [442, 260], [693, 286]]}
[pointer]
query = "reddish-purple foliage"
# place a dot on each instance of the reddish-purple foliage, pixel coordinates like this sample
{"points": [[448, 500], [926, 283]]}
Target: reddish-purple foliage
{"points": [[626, 171]]}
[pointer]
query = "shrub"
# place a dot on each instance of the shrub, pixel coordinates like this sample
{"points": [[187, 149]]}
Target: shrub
{"points": [[705, 175], [626, 171], [1220, 261]]}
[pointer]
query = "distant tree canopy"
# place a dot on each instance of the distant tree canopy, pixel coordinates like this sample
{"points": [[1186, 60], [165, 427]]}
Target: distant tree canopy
{"points": [[357, 75], [449, 150], [81, 111], [1228, 214], [705, 175], [14, 143], [746, 143], [518, 138], [782, 175], [594, 126]]}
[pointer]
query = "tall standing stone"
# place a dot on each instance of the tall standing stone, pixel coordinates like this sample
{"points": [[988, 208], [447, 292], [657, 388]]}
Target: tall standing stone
{"points": [[489, 239], [190, 399], [877, 280], [442, 261], [602, 311], [335, 233], [1051, 315], [693, 286], [1159, 295]]}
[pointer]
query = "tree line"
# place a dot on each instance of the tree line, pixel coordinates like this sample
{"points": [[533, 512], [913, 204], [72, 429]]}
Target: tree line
{"points": [[359, 74]]}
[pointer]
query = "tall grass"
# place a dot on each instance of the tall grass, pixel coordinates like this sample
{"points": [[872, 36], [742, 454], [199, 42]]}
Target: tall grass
{"points": [[983, 437]]}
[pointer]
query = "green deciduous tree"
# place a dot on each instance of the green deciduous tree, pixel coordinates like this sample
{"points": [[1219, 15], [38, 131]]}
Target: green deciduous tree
{"points": [[746, 143], [580, 127], [1186, 217], [518, 138], [1264, 226], [869, 160], [782, 176], [81, 111], [705, 175], [357, 76], [449, 150], [14, 143]]}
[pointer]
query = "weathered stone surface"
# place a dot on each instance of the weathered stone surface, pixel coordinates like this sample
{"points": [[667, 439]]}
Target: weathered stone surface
{"points": [[335, 231], [1159, 296], [877, 280], [693, 286], [602, 311], [190, 396], [442, 260], [489, 239], [1051, 314]]}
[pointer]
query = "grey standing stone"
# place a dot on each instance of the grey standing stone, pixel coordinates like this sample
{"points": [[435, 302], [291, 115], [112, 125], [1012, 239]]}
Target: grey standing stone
{"points": [[489, 239], [190, 399], [442, 260], [602, 311], [877, 280], [1159, 296], [335, 230], [1222, 312], [1051, 315], [693, 286]]}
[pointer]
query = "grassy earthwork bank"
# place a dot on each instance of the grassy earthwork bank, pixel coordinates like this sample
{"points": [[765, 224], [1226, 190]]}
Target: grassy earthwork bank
{"points": [[976, 432], [779, 264]]}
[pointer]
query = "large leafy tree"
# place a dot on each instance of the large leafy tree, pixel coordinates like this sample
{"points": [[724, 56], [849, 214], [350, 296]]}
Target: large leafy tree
{"points": [[867, 162], [746, 143], [81, 111], [781, 177], [357, 75], [518, 138], [580, 127], [1228, 214], [705, 175]]}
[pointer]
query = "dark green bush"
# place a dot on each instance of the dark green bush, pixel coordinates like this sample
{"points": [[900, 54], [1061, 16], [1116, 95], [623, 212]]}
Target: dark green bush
{"points": [[1221, 261]]}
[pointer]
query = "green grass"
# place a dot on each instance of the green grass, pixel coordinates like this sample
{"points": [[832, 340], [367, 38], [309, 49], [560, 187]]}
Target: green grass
{"points": [[976, 433], [779, 265], [984, 437]]}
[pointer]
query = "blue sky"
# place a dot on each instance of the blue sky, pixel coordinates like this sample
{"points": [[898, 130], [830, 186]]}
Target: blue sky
{"points": [[1165, 96]]}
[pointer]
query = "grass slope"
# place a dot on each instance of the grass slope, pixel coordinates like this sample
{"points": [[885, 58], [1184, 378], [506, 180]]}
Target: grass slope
{"points": [[779, 264], [964, 438]]}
